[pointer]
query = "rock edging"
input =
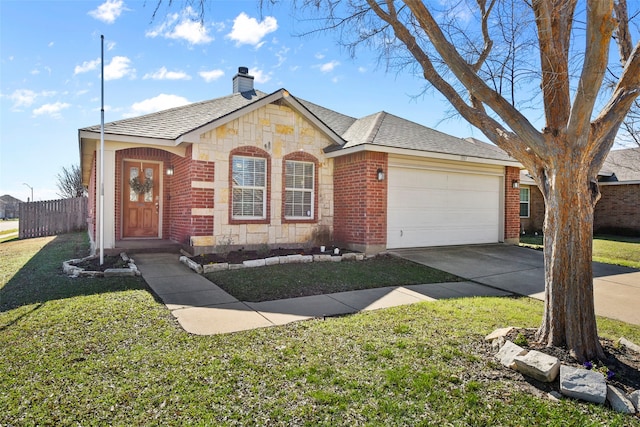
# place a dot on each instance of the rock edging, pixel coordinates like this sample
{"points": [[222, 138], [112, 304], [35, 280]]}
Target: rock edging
{"points": [[72, 270], [285, 259], [575, 382]]}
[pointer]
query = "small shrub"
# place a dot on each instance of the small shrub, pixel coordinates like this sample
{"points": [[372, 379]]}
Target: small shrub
{"points": [[521, 340], [224, 247]]}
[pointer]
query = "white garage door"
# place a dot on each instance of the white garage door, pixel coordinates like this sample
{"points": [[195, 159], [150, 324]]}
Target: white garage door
{"points": [[437, 208]]}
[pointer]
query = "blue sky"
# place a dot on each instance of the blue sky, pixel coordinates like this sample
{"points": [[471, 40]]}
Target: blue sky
{"points": [[50, 74]]}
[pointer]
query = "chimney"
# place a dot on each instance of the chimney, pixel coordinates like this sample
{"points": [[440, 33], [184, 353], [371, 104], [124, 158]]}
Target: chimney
{"points": [[242, 82]]}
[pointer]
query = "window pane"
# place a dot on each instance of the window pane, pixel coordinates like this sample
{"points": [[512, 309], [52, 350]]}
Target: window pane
{"points": [[148, 175], [249, 186], [524, 209], [133, 196], [524, 194], [299, 189]]}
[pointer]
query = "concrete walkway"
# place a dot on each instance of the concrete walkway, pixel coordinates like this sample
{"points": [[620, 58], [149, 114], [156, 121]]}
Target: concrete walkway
{"points": [[520, 271], [203, 308]]}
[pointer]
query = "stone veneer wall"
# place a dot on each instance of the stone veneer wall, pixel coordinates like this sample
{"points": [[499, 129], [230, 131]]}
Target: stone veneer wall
{"points": [[277, 131]]}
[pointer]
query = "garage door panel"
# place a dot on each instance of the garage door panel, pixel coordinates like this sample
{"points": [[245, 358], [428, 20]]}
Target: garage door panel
{"points": [[428, 217], [437, 208]]}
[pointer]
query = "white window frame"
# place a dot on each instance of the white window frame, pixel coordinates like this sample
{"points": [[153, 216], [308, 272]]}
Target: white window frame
{"points": [[528, 202], [310, 191], [237, 186]]}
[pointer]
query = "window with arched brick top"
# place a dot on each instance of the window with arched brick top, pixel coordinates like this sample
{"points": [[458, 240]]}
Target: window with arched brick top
{"points": [[300, 187], [249, 173]]}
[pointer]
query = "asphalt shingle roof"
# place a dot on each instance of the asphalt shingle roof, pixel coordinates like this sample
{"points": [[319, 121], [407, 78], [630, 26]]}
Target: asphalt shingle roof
{"points": [[388, 130], [625, 164], [175, 122], [382, 129]]}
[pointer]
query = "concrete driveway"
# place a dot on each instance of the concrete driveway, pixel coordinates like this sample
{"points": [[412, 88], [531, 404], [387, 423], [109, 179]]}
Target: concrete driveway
{"points": [[521, 271]]}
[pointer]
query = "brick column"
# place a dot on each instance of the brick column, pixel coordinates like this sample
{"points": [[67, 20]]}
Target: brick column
{"points": [[511, 206]]}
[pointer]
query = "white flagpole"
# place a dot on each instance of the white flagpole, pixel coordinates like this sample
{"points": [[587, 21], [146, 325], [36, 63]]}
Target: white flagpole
{"points": [[101, 149]]}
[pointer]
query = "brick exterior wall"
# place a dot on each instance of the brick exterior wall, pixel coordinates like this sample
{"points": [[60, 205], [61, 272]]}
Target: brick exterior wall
{"points": [[360, 212], [511, 205], [535, 221], [618, 210]]}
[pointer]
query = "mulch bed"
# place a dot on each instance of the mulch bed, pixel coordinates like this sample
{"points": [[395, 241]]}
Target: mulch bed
{"points": [[237, 257], [111, 261]]}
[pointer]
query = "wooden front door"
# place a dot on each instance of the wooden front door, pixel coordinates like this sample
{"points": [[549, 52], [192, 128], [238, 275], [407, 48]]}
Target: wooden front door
{"points": [[140, 199]]}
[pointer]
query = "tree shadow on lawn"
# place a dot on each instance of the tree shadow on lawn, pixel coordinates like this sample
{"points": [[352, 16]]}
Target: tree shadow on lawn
{"points": [[41, 279]]}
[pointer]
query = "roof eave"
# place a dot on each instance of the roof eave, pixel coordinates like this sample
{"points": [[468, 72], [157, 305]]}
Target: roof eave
{"points": [[86, 134], [420, 153]]}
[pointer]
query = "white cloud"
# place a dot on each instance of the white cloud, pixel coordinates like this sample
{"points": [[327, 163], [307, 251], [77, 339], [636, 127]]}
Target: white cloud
{"points": [[111, 45], [282, 55], [259, 75], [319, 55], [52, 110], [22, 98], [86, 66], [249, 31], [362, 69], [118, 68], [164, 74], [158, 103], [211, 75], [108, 11], [183, 27], [34, 72], [50, 44], [329, 66]]}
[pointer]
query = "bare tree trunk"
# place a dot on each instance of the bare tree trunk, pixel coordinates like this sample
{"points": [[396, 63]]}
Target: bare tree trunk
{"points": [[569, 315]]}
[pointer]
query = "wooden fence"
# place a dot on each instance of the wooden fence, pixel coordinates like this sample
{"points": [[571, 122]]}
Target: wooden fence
{"points": [[51, 217]]}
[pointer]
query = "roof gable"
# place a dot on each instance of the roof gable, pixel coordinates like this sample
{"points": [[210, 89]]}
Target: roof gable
{"points": [[186, 123]]}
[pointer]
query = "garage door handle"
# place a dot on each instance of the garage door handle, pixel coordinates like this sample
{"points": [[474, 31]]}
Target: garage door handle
{"points": [[401, 233]]}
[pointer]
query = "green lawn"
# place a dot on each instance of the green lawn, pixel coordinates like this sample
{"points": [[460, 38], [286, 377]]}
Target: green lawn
{"points": [[7, 235], [105, 352], [296, 280], [617, 250]]}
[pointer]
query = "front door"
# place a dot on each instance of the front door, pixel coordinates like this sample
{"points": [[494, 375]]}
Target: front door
{"points": [[141, 199]]}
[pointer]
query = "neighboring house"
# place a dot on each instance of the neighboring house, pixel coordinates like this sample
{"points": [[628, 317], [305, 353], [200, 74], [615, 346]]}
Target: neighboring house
{"points": [[253, 168], [9, 207], [617, 211]]}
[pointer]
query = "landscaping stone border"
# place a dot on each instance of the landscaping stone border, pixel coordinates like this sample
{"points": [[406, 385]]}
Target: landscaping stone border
{"points": [[578, 383], [72, 270], [286, 259]]}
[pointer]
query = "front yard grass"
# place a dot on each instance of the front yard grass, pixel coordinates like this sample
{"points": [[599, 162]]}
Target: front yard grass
{"points": [[105, 352], [617, 250], [297, 280]]}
